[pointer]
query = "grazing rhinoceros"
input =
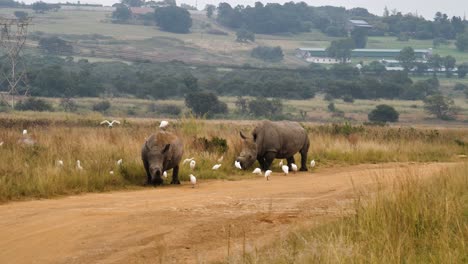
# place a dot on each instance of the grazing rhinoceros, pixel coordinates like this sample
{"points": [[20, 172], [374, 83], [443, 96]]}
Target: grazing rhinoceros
{"points": [[274, 140], [161, 152]]}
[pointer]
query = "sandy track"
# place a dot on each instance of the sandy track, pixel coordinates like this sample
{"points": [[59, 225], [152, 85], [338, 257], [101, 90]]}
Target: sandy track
{"points": [[181, 224]]}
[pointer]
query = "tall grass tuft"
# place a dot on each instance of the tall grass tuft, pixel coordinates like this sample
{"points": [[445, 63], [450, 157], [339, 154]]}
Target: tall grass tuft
{"points": [[413, 221]]}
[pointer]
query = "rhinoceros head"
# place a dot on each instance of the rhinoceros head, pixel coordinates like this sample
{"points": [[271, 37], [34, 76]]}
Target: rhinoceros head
{"points": [[156, 157], [248, 154]]}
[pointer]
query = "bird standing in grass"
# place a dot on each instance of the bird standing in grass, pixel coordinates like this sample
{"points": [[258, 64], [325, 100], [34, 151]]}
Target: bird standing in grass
{"points": [[267, 174], [257, 171], [281, 163], [216, 167], [25, 132], [1, 143], [60, 163], [165, 174], [192, 164], [220, 159], [110, 124], [237, 165], [285, 169], [294, 167], [163, 124], [119, 162], [111, 172], [312, 163], [78, 165], [193, 180], [187, 160]]}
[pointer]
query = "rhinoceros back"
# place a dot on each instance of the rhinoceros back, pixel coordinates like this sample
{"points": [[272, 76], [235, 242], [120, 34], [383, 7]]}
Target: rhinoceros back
{"points": [[285, 138]]}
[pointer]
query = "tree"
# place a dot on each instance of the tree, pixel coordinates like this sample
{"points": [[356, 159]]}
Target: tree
{"points": [[265, 53], [462, 70], [41, 7], [449, 64], [440, 106], [262, 107], [173, 19], [383, 113], [341, 49], [122, 13], [205, 103], [21, 15], [210, 10], [435, 62], [359, 36], [244, 35], [407, 58], [462, 42]]}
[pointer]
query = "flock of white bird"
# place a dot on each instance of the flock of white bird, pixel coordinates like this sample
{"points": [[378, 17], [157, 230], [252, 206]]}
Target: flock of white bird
{"points": [[191, 161]]}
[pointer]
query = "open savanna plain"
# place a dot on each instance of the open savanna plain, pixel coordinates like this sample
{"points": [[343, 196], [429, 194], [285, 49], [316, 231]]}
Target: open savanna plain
{"points": [[388, 194]]}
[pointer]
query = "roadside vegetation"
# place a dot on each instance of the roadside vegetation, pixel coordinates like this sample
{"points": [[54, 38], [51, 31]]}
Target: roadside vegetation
{"points": [[414, 220], [33, 171]]}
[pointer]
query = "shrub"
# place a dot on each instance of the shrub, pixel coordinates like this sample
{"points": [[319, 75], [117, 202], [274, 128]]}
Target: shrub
{"points": [[460, 87], [331, 107], [205, 103], [216, 144], [442, 107], [383, 113], [348, 99], [34, 104], [265, 53], [102, 106], [68, 105]]}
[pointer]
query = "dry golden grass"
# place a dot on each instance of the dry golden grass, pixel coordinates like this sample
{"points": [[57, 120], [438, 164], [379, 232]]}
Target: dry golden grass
{"points": [[27, 171], [413, 221]]}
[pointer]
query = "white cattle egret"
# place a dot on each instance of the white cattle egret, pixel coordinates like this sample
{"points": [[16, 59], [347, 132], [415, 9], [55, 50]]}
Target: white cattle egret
{"points": [[285, 169], [111, 172], [267, 174], [192, 164], [25, 132], [78, 165], [312, 163], [215, 167], [119, 162], [193, 180], [257, 171], [220, 159], [60, 163], [163, 124], [293, 167], [187, 160], [165, 174], [110, 124], [281, 163], [1, 143], [237, 164]]}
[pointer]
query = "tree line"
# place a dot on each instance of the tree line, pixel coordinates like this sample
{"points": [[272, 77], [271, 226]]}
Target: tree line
{"points": [[299, 17]]}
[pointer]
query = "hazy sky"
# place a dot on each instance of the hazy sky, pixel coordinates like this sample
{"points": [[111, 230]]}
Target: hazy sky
{"points": [[427, 8]]}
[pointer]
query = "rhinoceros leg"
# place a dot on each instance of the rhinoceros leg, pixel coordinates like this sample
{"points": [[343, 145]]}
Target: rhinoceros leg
{"points": [[175, 175], [269, 157], [148, 175], [261, 161], [304, 151], [290, 160]]}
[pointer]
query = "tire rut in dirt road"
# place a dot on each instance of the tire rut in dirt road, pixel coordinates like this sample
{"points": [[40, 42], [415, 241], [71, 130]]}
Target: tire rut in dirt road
{"points": [[181, 224]]}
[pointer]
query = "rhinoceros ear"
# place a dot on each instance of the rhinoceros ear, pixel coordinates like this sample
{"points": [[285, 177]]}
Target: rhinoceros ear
{"points": [[166, 148], [242, 135]]}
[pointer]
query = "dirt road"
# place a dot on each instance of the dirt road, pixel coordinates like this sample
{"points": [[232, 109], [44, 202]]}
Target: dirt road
{"points": [[181, 224]]}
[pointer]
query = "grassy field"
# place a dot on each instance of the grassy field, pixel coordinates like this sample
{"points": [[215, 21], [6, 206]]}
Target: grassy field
{"points": [[32, 171], [414, 221], [137, 41]]}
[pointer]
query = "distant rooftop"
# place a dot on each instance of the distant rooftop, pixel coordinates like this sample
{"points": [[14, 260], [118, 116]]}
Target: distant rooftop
{"points": [[359, 23]]}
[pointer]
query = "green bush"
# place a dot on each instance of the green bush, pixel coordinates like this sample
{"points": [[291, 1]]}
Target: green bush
{"points": [[34, 104], [383, 113], [102, 106]]}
